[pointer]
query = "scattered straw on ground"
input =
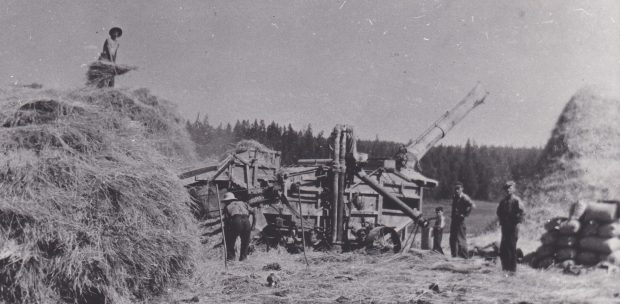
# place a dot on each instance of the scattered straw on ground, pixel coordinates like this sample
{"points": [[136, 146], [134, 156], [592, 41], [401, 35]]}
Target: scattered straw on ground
{"points": [[361, 278]]}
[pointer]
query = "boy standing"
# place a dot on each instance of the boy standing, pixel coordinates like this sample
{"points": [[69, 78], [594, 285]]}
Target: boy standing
{"points": [[440, 223]]}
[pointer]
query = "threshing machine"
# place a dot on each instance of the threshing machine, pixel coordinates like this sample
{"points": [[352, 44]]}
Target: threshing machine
{"points": [[343, 201]]}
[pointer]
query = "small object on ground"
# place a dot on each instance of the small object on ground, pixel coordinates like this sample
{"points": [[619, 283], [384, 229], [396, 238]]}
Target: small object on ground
{"points": [[272, 266], [273, 280], [567, 263], [343, 299], [571, 268], [434, 287], [455, 267], [344, 277], [192, 299], [611, 268], [281, 293]]}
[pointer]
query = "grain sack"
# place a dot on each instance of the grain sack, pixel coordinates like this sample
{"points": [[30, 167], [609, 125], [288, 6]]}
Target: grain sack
{"points": [[554, 223], [589, 228], [614, 258], [602, 212], [545, 251], [587, 258], [549, 238], [570, 227], [578, 209], [565, 254], [545, 263], [610, 230], [566, 241], [600, 245]]}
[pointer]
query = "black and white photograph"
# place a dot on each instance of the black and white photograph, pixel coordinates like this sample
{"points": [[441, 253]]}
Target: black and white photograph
{"points": [[309, 151]]}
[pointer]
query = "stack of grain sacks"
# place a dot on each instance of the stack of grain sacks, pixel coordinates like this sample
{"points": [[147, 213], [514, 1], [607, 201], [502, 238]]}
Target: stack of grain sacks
{"points": [[590, 235]]}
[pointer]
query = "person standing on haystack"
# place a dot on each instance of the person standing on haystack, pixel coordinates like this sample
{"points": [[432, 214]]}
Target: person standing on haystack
{"points": [[110, 48], [510, 213], [237, 224], [461, 208]]}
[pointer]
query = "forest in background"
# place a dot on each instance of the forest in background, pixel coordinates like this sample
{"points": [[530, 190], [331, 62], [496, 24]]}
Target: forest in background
{"points": [[482, 169]]}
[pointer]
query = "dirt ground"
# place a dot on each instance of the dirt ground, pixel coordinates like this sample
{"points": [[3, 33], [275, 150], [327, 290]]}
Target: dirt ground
{"points": [[357, 277], [387, 278]]}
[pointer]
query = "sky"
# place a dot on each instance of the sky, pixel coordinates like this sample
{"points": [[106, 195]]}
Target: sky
{"points": [[388, 68]]}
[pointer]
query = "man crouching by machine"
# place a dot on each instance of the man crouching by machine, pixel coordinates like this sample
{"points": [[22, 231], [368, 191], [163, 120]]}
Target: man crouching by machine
{"points": [[237, 224]]}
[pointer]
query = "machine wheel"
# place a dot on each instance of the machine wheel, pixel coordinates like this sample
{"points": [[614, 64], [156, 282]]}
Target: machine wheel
{"points": [[383, 239]]}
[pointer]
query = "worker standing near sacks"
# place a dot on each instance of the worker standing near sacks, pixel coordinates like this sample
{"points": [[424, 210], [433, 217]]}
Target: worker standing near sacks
{"points": [[237, 224], [510, 213]]}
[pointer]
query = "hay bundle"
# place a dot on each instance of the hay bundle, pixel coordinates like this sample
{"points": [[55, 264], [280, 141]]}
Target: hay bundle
{"points": [[100, 71], [91, 210], [249, 145]]}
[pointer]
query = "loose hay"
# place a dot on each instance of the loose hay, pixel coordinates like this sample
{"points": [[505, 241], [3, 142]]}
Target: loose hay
{"points": [[100, 71], [90, 208]]}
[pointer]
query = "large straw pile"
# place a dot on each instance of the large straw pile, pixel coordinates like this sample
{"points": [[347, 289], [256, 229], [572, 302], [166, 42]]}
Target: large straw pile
{"points": [[90, 208], [581, 157]]}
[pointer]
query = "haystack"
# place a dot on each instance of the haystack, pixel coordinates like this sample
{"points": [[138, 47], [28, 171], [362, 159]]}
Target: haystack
{"points": [[91, 210], [581, 159]]}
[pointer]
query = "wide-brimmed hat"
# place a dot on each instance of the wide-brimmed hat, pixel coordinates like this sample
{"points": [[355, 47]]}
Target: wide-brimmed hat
{"points": [[509, 184], [228, 196], [116, 29]]}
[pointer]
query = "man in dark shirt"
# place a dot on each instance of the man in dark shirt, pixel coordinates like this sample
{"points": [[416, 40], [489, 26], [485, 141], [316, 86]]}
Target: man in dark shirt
{"points": [[461, 208], [510, 213], [237, 224]]}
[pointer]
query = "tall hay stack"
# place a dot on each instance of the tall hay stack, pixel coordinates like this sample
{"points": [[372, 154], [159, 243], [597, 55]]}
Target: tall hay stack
{"points": [[580, 160], [91, 210]]}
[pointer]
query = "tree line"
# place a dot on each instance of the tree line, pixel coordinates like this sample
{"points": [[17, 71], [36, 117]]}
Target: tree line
{"points": [[482, 169]]}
